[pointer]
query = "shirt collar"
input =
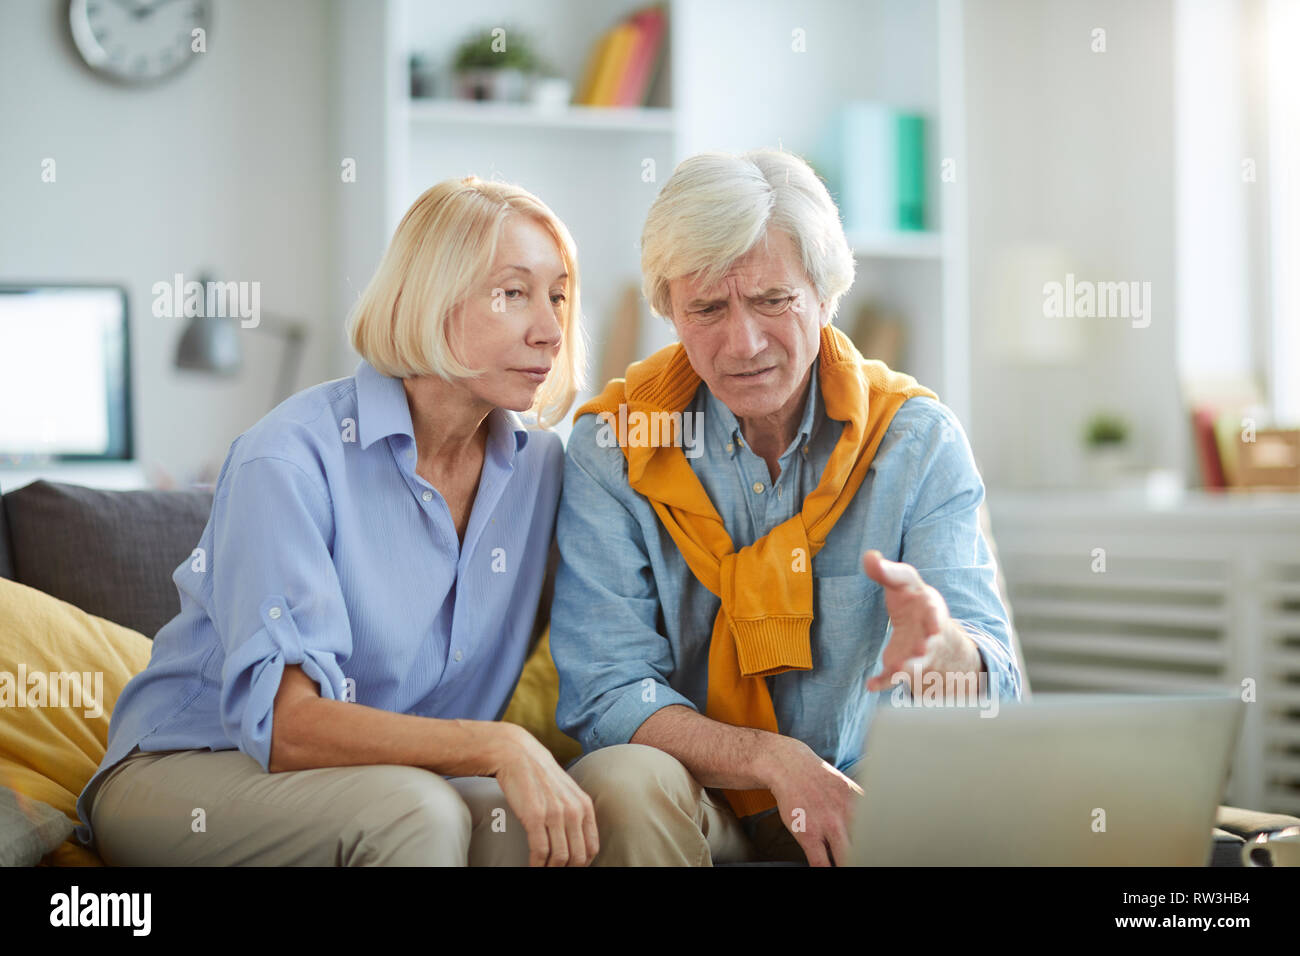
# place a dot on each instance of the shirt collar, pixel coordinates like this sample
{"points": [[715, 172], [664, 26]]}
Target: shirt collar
{"points": [[725, 429], [382, 411]]}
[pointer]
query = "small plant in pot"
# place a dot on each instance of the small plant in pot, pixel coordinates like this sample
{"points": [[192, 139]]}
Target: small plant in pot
{"points": [[495, 64], [1106, 442]]}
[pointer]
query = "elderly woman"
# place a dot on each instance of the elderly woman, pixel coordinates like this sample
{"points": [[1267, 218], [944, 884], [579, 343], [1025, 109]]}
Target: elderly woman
{"points": [[358, 610]]}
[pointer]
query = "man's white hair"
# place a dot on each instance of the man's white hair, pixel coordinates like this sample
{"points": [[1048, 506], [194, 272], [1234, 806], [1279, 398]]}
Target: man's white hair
{"points": [[717, 206]]}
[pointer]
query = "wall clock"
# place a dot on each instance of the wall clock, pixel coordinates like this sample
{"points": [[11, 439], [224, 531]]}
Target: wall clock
{"points": [[137, 41]]}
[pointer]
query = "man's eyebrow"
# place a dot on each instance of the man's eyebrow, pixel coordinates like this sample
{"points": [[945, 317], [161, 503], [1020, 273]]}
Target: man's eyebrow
{"points": [[527, 271], [768, 293]]}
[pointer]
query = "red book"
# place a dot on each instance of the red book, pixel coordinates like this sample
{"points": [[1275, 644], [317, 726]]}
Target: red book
{"points": [[635, 84], [1208, 448]]}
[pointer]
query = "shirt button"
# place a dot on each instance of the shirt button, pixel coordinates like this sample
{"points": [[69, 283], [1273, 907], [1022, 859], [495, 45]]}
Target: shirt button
{"points": [[274, 614], [758, 487], [427, 496], [731, 446], [459, 655], [805, 449]]}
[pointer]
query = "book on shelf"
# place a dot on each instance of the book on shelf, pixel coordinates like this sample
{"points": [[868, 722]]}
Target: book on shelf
{"points": [[624, 62], [1226, 441], [1207, 448], [875, 162]]}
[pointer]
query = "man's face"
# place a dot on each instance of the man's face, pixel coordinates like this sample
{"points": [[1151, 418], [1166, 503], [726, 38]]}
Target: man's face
{"points": [[753, 337]]}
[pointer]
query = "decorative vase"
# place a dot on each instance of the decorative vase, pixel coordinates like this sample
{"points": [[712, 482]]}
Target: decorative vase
{"points": [[1108, 464], [550, 94]]}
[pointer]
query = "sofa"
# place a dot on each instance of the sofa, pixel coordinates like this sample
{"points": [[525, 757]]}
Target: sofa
{"points": [[107, 557]]}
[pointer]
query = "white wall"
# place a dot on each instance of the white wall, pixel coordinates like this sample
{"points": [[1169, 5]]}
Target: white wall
{"points": [[1210, 130], [362, 91], [1072, 150], [228, 166]]}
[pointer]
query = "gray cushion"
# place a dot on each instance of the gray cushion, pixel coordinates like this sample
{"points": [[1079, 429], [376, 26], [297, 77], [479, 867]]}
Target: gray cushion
{"points": [[29, 829], [111, 553]]}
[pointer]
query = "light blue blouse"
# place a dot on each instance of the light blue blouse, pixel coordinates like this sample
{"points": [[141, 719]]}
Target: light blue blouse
{"points": [[325, 549]]}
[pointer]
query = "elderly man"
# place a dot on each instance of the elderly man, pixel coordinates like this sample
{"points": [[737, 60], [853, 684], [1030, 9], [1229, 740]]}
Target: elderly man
{"points": [[733, 598]]}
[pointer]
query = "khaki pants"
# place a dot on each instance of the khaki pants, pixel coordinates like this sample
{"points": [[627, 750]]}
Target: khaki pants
{"points": [[650, 811], [146, 812]]}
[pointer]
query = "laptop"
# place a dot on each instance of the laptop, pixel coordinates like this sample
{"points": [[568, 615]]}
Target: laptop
{"points": [[1061, 780]]}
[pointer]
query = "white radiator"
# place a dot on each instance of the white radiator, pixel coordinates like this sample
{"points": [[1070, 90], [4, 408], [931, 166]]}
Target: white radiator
{"points": [[1111, 594]]}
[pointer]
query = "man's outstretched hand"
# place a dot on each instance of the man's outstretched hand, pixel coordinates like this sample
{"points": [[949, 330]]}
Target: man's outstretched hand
{"points": [[925, 638]]}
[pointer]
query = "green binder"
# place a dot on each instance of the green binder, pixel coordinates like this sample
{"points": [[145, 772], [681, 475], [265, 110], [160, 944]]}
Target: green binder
{"points": [[910, 140]]}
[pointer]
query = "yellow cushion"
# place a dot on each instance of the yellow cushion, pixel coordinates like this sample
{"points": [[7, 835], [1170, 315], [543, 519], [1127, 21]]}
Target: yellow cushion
{"points": [[50, 749], [533, 704]]}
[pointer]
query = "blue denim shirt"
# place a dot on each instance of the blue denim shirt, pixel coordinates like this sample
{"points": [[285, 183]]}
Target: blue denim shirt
{"points": [[631, 625], [325, 549]]}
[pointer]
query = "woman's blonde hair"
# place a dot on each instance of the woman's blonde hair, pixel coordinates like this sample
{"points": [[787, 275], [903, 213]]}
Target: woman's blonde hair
{"points": [[717, 206], [442, 249]]}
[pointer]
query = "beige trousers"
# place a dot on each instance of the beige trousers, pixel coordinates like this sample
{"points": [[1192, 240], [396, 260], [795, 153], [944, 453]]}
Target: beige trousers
{"points": [[650, 811], [219, 808]]}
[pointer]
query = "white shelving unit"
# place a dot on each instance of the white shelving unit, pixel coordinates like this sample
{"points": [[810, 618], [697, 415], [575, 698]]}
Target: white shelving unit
{"points": [[731, 79]]}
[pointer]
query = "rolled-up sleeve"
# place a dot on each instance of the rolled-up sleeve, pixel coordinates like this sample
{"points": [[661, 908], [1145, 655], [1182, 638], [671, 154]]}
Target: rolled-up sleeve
{"points": [[276, 595], [613, 663], [943, 541]]}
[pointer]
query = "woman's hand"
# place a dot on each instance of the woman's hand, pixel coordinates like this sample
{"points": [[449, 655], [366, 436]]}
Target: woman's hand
{"points": [[557, 815]]}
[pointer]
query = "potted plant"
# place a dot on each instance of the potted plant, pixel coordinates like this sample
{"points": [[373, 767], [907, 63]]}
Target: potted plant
{"points": [[495, 64], [1105, 437]]}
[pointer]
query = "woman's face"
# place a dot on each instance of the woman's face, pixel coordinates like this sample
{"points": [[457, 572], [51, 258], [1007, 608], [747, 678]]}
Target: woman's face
{"points": [[510, 325]]}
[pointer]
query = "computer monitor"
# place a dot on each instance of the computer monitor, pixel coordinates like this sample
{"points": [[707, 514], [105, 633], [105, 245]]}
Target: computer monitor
{"points": [[65, 382]]}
